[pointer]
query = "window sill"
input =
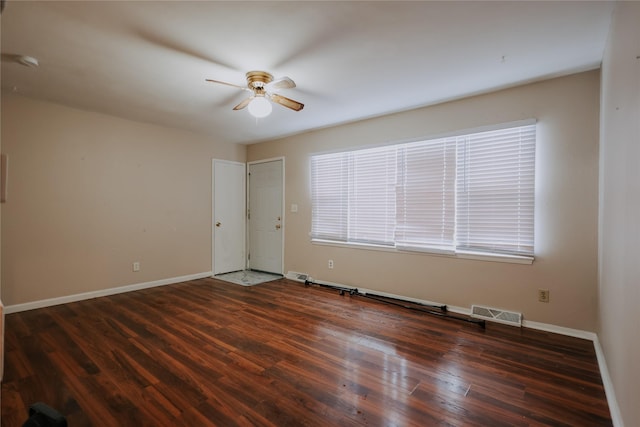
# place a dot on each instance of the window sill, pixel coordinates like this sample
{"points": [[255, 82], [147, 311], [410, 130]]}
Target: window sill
{"points": [[482, 256], [477, 256]]}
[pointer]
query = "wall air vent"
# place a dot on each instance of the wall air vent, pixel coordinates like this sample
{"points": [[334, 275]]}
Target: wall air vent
{"points": [[496, 315], [298, 277]]}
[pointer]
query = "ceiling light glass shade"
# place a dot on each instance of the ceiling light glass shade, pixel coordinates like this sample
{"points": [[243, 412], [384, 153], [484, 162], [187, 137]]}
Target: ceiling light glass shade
{"points": [[259, 107]]}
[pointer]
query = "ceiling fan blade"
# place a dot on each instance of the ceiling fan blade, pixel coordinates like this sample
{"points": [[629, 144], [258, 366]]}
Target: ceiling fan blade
{"points": [[243, 104], [286, 102], [228, 84], [281, 83]]}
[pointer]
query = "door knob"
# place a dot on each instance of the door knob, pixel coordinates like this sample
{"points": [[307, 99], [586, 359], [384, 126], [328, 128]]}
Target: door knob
{"points": [[218, 224], [277, 226]]}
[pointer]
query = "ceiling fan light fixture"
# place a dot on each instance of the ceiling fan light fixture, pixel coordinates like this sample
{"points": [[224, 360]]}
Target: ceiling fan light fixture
{"points": [[259, 107]]}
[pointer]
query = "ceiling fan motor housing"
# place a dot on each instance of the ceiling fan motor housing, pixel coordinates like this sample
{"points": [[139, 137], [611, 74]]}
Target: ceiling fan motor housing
{"points": [[258, 79]]}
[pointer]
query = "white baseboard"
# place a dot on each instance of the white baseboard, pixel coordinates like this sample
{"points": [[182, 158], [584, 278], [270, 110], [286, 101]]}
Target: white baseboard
{"points": [[576, 333], [616, 415], [546, 327], [101, 293]]}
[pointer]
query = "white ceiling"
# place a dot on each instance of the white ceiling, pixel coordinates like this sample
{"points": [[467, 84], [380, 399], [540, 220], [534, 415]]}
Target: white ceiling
{"points": [[148, 60]]}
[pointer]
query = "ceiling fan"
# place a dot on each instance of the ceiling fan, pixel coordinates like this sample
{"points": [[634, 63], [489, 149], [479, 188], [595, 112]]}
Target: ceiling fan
{"points": [[263, 89]]}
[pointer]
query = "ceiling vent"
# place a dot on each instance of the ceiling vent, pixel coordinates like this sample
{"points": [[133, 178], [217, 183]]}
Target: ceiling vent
{"points": [[496, 315]]}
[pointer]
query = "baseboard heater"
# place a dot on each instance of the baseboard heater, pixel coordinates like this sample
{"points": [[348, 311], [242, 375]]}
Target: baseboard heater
{"points": [[434, 310]]}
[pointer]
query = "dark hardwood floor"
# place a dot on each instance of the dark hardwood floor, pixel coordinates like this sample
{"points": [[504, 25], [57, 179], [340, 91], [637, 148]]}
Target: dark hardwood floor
{"points": [[207, 352]]}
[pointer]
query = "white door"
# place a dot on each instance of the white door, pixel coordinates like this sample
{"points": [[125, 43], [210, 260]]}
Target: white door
{"points": [[229, 226], [265, 215]]}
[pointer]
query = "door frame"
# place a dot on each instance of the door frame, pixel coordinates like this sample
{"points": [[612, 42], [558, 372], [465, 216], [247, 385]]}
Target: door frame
{"points": [[213, 212], [284, 217]]}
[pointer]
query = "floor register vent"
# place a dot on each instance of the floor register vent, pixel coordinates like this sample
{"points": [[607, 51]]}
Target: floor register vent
{"points": [[298, 277], [496, 315]]}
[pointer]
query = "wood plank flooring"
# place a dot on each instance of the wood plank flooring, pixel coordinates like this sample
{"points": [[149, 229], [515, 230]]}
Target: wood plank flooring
{"points": [[207, 352]]}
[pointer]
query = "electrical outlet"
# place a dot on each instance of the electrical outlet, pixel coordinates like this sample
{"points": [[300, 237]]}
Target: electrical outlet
{"points": [[543, 295], [330, 264], [136, 266]]}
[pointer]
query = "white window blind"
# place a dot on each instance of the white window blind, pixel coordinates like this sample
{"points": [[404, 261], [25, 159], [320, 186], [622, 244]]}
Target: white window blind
{"points": [[353, 196], [426, 195], [495, 191], [372, 204], [472, 192], [329, 196]]}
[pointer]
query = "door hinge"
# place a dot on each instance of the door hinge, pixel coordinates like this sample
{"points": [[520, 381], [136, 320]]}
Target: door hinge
{"points": [[248, 214]]}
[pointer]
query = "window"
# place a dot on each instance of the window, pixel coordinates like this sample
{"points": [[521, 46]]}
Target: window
{"points": [[465, 193]]}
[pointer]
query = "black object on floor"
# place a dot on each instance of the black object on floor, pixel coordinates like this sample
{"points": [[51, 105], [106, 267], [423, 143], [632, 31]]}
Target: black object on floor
{"points": [[42, 415]]}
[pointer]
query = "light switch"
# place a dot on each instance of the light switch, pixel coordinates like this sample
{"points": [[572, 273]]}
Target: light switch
{"points": [[294, 208]]}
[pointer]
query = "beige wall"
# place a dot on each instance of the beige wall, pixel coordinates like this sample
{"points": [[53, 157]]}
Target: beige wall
{"points": [[89, 194], [620, 209], [566, 206]]}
